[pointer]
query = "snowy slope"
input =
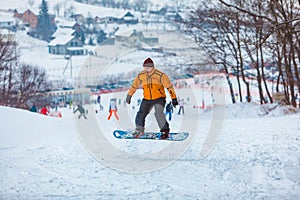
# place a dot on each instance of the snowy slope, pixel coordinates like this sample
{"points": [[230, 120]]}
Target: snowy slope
{"points": [[255, 157]]}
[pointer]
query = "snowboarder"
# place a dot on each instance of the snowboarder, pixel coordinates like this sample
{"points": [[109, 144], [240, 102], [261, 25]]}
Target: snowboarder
{"points": [[169, 110], [81, 110], [113, 108], [153, 83]]}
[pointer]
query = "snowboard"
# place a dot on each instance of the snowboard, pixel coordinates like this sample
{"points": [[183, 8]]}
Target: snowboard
{"points": [[174, 136]]}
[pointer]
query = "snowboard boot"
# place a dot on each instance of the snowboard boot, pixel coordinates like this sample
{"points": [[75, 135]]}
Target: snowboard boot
{"points": [[137, 133], [164, 134]]}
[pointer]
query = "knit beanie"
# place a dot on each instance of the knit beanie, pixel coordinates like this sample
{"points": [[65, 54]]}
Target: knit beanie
{"points": [[148, 63]]}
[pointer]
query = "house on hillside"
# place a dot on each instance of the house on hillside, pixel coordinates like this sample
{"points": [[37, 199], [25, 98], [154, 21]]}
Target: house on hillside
{"points": [[174, 16], [8, 24], [149, 38], [118, 18], [29, 18], [66, 45], [135, 37], [132, 37], [161, 11], [77, 17], [129, 18], [62, 31], [7, 21], [69, 28]]}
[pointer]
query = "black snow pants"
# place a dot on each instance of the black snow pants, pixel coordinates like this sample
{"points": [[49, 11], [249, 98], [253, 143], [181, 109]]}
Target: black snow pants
{"points": [[145, 108]]}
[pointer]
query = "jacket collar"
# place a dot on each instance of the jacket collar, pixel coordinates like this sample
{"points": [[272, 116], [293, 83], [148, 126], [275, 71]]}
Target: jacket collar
{"points": [[151, 72]]}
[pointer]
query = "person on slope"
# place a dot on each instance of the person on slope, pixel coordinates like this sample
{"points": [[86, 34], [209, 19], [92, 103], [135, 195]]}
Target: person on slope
{"points": [[181, 106], [81, 110], [113, 108], [44, 111], [33, 108], [169, 110], [153, 83]]}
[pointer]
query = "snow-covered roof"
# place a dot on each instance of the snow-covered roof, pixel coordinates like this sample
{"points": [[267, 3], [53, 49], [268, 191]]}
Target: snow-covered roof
{"points": [[122, 33], [63, 31], [61, 40], [115, 14], [6, 17], [33, 10], [129, 18], [68, 24]]}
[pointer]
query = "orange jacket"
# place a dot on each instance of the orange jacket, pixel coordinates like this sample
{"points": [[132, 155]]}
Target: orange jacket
{"points": [[153, 84]]}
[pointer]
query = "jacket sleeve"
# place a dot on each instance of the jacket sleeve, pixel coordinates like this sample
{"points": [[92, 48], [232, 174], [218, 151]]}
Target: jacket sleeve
{"points": [[135, 85], [167, 84]]}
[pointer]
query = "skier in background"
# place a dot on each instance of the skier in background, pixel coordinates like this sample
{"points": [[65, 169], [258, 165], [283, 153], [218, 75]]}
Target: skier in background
{"points": [[181, 106], [113, 108], [99, 102], [169, 110], [33, 109], [82, 111], [44, 111]]}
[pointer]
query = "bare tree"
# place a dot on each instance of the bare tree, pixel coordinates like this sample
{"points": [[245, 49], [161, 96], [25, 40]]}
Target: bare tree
{"points": [[287, 23], [253, 44], [213, 31], [240, 33], [32, 82], [57, 8], [31, 3], [8, 59], [279, 20], [20, 84]]}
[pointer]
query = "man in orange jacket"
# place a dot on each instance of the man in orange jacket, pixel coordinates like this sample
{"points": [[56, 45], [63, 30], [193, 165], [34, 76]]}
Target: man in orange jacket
{"points": [[153, 83]]}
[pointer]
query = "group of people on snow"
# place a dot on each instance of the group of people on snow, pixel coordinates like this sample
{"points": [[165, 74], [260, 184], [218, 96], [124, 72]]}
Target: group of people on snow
{"points": [[44, 110], [154, 82]]}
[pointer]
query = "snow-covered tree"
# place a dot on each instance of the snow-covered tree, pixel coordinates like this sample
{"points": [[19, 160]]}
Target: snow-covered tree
{"points": [[101, 36], [44, 27]]}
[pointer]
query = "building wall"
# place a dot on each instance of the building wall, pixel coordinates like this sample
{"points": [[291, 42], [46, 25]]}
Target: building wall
{"points": [[30, 18], [61, 49]]}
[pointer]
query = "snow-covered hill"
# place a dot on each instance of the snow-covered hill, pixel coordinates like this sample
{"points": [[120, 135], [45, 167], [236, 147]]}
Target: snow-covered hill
{"points": [[255, 156]]}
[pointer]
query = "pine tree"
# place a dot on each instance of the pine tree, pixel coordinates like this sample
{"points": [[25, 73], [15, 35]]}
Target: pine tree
{"points": [[101, 36], [44, 27]]}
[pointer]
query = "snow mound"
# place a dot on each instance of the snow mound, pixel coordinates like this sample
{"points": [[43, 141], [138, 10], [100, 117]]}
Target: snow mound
{"points": [[42, 157], [251, 110]]}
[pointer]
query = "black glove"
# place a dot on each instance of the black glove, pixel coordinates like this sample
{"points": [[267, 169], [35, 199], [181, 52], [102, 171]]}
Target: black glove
{"points": [[128, 99], [174, 102]]}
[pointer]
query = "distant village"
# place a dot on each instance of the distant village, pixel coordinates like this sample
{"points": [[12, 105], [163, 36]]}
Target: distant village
{"points": [[72, 34], [113, 33]]}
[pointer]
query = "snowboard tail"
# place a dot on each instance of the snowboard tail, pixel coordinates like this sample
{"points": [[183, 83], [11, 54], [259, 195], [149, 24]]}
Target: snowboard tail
{"points": [[173, 136]]}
